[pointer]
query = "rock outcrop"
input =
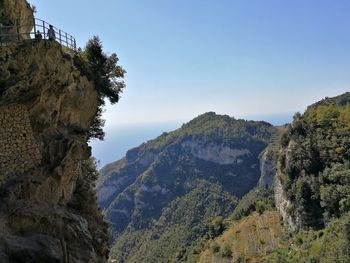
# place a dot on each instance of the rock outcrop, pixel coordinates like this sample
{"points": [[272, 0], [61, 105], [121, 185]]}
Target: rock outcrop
{"points": [[286, 207], [182, 178], [48, 210], [17, 12], [215, 153], [267, 168]]}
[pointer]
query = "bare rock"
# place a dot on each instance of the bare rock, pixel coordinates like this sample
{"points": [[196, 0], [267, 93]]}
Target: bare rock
{"points": [[48, 210]]}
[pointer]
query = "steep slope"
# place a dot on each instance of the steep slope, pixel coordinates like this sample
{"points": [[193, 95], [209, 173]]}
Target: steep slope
{"points": [[311, 193], [48, 209], [255, 238], [313, 179], [180, 230], [219, 151], [263, 238]]}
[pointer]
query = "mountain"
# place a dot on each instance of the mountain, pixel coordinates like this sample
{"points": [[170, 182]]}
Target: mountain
{"points": [[182, 203], [306, 218], [313, 171], [168, 190]]}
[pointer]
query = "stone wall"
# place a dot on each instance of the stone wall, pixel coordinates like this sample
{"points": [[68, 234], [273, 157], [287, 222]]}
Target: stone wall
{"points": [[18, 149]]}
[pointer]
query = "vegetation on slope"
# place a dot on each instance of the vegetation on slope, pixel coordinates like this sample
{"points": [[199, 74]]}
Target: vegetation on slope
{"points": [[314, 164], [263, 238], [219, 128], [248, 204], [328, 245], [194, 174], [106, 75], [249, 240], [181, 230]]}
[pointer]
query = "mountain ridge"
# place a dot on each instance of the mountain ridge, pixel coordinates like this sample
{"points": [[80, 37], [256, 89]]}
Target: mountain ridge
{"points": [[217, 150]]}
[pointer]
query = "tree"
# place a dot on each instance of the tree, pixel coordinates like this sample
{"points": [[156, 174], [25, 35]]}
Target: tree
{"points": [[90, 169], [106, 74]]}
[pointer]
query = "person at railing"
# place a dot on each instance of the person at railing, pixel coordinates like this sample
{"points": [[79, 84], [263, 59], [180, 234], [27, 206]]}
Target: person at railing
{"points": [[51, 33], [38, 35]]}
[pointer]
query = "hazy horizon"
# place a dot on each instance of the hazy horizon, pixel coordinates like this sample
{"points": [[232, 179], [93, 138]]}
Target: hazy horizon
{"points": [[121, 138]]}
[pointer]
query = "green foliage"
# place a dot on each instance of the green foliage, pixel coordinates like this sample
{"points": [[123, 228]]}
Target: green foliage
{"points": [[335, 189], [96, 129], [220, 128], [314, 166], [247, 204], [260, 206], [332, 244], [240, 259], [89, 168], [104, 70], [182, 229], [177, 201], [216, 227], [226, 251], [106, 74], [215, 248]]}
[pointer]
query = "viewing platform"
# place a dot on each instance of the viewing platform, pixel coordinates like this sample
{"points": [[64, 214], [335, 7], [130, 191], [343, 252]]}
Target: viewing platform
{"points": [[40, 30]]}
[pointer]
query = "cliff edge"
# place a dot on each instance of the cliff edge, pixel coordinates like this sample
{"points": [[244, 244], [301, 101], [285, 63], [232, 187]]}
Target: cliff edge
{"points": [[48, 210]]}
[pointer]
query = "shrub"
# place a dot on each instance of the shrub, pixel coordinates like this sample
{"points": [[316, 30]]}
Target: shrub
{"points": [[217, 227], [215, 248], [226, 251], [260, 206]]}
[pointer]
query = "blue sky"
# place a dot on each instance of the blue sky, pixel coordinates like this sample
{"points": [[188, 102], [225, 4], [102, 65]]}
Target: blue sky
{"points": [[238, 57], [256, 59]]}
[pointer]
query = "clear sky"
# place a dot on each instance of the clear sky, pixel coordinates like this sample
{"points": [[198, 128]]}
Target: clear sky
{"points": [[237, 57]]}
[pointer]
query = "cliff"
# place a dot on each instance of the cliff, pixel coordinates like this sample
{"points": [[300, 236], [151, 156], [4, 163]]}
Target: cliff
{"points": [[48, 210], [162, 196], [267, 168], [312, 183], [17, 12]]}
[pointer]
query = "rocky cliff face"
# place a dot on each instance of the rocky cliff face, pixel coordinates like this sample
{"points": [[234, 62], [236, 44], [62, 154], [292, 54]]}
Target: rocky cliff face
{"points": [[181, 179], [48, 210], [285, 206], [312, 171], [17, 12], [267, 168]]}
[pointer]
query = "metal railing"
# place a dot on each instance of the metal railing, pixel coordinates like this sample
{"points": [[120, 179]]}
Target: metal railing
{"points": [[39, 30]]}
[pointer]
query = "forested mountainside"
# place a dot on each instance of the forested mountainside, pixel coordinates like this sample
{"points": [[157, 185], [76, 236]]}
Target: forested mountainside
{"points": [[162, 198], [311, 194], [314, 164], [202, 193]]}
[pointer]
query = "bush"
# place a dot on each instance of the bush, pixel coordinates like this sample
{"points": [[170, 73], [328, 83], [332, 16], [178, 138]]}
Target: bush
{"points": [[226, 251], [215, 248], [90, 170], [260, 206], [217, 227]]}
